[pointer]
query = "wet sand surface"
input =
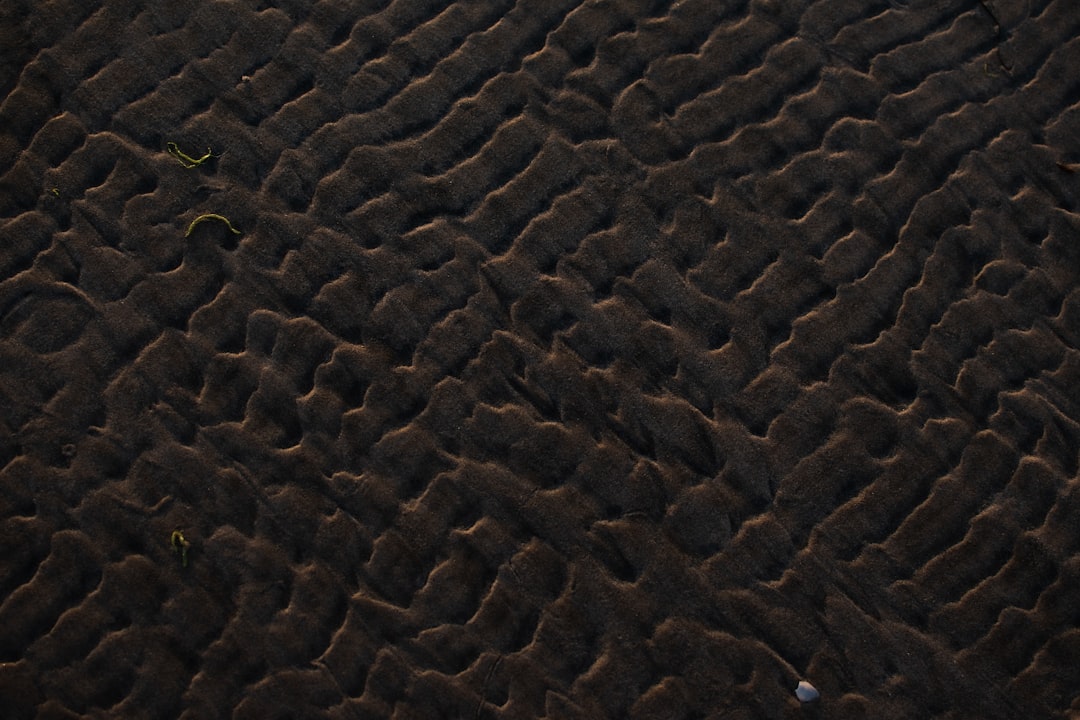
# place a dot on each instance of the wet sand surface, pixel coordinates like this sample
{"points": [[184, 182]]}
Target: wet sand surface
{"points": [[573, 359]]}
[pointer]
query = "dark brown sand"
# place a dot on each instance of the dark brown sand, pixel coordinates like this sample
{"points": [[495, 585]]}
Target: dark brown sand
{"points": [[576, 359]]}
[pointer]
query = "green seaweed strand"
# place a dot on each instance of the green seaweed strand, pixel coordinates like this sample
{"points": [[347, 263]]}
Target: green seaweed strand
{"points": [[180, 545], [210, 216], [185, 159]]}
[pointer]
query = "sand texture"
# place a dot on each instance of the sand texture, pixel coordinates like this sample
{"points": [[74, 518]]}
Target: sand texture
{"points": [[573, 359]]}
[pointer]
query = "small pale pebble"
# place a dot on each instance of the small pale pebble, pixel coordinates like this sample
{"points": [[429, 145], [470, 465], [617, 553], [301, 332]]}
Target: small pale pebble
{"points": [[806, 692]]}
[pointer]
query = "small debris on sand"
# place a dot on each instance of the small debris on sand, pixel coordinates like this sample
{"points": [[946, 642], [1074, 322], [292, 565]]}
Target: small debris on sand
{"points": [[806, 692]]}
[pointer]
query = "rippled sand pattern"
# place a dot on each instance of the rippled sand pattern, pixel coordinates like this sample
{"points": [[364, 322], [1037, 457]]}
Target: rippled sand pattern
{"points": [[576, 359]]}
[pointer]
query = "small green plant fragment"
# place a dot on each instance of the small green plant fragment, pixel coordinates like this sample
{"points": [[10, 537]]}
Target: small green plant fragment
{"points": [[180, 545], [56, 191], [210, 216], [185, 159]]}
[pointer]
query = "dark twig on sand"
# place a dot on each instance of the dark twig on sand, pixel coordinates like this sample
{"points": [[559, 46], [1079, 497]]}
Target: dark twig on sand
{"points": [[1000, 33]]}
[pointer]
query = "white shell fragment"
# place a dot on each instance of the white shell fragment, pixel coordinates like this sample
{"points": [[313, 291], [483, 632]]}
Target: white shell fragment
{"points": [[806, 692]]}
